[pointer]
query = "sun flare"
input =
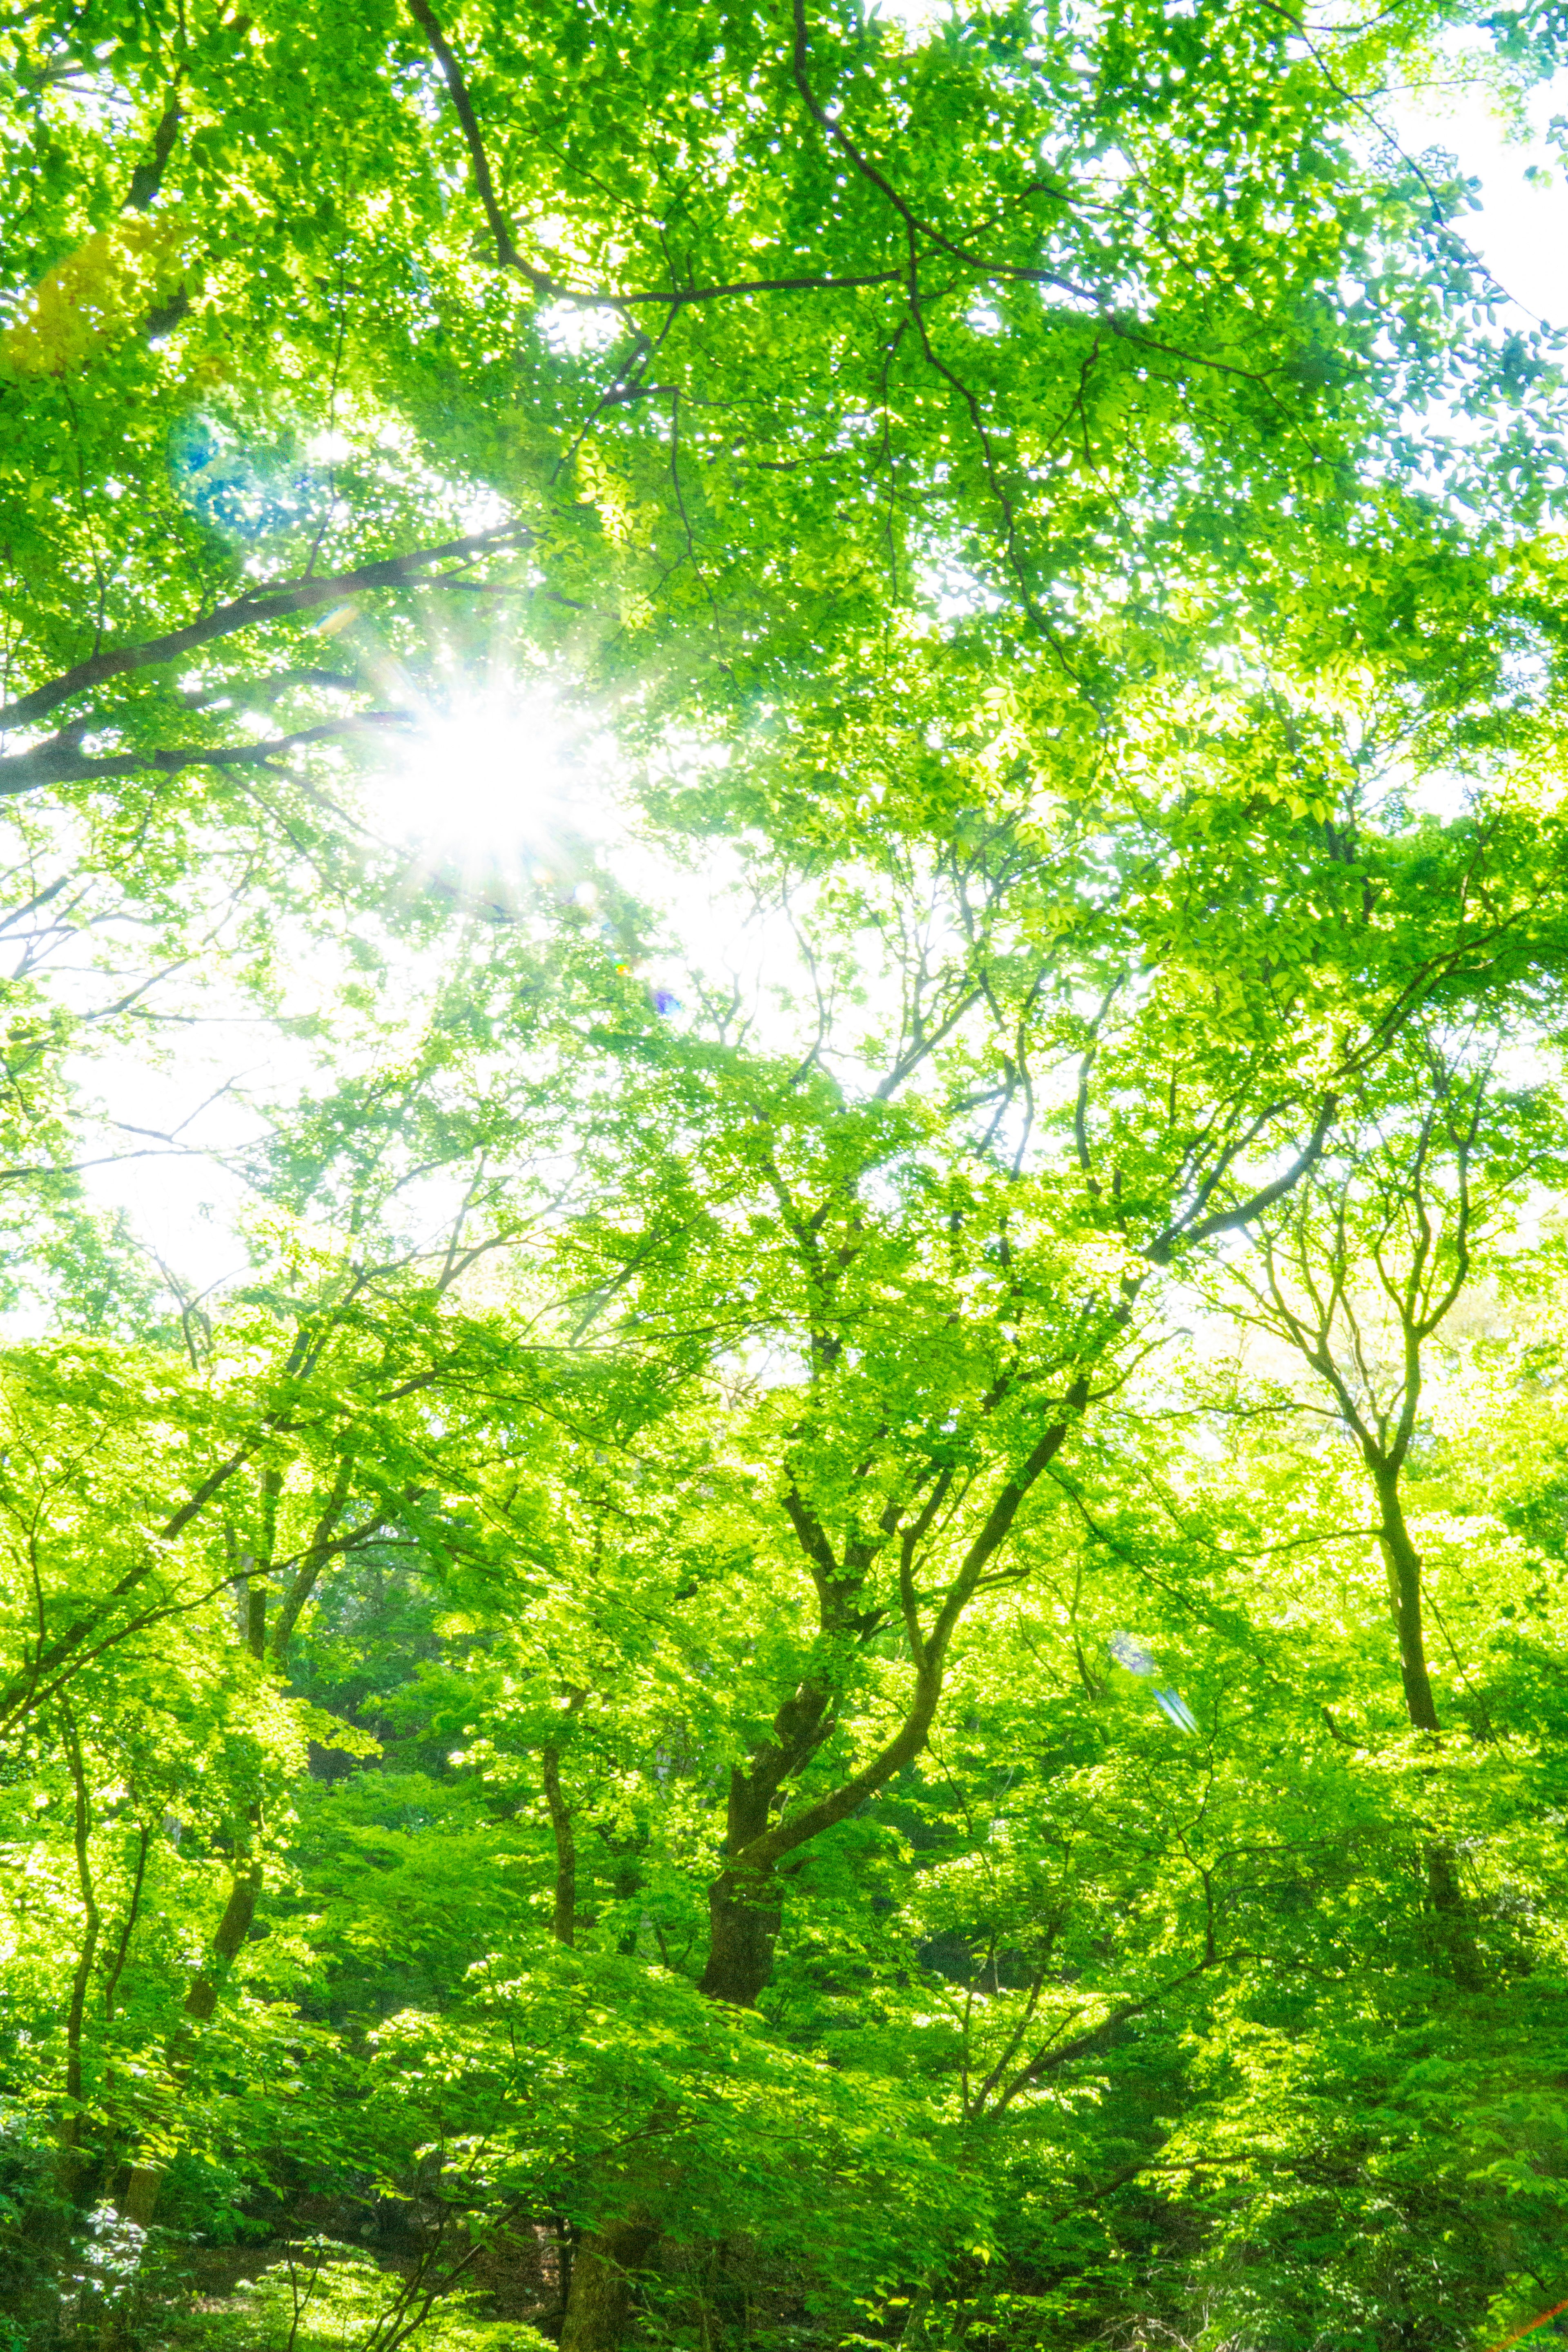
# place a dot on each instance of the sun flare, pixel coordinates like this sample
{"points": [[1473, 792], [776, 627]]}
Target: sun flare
{"points": [[488, 779]]}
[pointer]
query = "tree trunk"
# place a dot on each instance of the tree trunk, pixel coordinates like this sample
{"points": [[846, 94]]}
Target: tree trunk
{"points": [[564, 1922], [70, 2129], [311, 1566], [565, 1919], [140, 2199], [1453, 1918], [1403, 1564], [745, 1911], [604, 2264]]}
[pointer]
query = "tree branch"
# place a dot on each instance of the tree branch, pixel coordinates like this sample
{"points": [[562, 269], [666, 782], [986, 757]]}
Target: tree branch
{"points": [[269, 601], [57, 761]]}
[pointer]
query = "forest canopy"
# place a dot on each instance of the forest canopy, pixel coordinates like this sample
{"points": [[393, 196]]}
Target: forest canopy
{"points": [[783, 1336]]}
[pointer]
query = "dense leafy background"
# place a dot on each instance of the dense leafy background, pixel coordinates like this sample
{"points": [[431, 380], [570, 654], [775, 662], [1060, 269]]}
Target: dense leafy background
{"points": [[810, 769]]}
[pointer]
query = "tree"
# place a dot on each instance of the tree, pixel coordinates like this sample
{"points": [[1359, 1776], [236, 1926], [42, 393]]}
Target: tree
{"points": [[581, 1721]]}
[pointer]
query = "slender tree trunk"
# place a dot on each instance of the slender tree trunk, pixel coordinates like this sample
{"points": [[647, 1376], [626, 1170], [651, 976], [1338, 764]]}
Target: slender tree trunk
{"points": [[140, 2199], [311, 1566], [1453, 1917], [745, 1901], [603, 2272], [70, 2130], [1403, 1564], [256, 1584], [564, 1921]]}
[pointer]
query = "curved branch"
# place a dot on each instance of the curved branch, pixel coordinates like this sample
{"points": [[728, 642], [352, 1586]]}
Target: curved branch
{"points": [[57, 761], [269, 600], [507, 253]]}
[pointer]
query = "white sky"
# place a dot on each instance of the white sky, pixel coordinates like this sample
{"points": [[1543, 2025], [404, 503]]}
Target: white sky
{"points": [[1521, 231]]}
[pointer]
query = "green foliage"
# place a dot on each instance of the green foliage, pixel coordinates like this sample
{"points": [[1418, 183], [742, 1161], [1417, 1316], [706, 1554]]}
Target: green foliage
{"points": [[329, 2298], [848, 1628]]}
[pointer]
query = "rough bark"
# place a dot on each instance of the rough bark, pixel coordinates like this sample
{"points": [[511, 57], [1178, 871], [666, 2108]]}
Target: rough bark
{"points": [[745, 1911], [604, 2264]]}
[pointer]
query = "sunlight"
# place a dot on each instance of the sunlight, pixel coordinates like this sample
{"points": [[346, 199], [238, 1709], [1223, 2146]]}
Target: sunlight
{"points": [[491, 780]]}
